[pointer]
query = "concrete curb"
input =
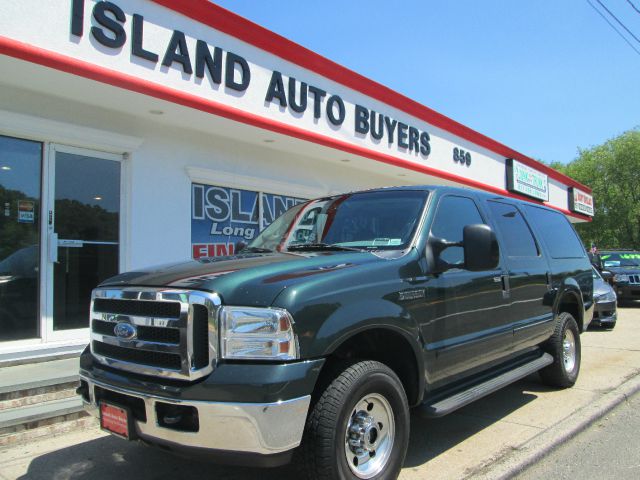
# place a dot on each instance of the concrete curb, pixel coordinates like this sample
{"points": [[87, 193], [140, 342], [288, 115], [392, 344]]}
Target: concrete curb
{"points": [[508, 465]]}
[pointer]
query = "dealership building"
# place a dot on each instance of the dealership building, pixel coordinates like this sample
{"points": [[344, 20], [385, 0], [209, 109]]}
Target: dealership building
{"points": [[142, 132]]}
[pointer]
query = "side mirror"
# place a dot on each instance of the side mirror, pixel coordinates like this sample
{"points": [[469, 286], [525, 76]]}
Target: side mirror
{"points": [[435, 246], [239, 246], [481, 251], [607, 276]]}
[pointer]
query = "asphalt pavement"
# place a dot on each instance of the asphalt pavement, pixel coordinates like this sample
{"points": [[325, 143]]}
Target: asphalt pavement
{"points": [[493, 438], [608, 449]]}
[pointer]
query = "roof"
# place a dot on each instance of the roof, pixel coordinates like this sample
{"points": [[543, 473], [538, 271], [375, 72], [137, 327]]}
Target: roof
{"points": [[450, 189]]}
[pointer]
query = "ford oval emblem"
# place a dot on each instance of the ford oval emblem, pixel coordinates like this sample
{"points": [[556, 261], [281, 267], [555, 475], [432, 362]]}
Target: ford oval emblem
{"points": [[125, 330]]}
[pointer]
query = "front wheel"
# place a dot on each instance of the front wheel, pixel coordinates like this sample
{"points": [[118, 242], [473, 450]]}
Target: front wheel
{"points": [[359, 426], [564, 346]]}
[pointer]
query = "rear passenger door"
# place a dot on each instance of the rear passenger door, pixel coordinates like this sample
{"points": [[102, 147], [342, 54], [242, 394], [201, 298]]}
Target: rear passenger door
{"points": [[527, 275]]}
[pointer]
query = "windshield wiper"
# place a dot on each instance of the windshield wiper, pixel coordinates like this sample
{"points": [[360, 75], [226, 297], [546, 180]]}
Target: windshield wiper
{"points": [[321, 246]]}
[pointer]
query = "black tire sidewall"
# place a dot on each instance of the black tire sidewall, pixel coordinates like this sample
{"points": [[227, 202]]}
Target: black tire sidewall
{"points": [[569, 323], [381, 383]]}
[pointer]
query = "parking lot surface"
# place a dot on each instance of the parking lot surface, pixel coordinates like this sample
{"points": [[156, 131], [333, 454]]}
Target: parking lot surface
{"points": [[464, 444]]}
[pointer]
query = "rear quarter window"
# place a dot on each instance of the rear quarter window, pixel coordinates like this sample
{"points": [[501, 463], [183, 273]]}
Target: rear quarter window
{"points": [[556, 231]]}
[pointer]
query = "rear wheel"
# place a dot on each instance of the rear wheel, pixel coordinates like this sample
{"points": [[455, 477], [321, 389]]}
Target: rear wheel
{"points": [[359, 426], [564, 346]]}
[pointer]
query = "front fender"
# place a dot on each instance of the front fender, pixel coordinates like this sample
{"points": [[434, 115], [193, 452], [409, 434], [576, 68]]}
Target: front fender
{"points": [[320, 336], [322, 329]]}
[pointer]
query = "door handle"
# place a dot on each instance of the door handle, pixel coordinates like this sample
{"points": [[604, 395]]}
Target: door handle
{"points": [[506, 288], [63, 242], [53, 248]]}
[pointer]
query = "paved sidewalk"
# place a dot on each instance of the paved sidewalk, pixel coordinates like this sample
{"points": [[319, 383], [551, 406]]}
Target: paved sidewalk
{"points": [[487, 439]]}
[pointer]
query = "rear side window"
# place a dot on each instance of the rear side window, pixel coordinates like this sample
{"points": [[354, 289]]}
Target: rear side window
{"points": [[557, 233], [453, 214], [517, 238]]}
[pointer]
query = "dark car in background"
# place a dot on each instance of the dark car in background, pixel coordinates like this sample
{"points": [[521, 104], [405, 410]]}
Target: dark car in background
{"points": [[605, 312], [625, 267]]}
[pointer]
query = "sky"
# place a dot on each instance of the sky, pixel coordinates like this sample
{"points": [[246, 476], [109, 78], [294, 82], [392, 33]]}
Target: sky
{"points": [[544, 77]]}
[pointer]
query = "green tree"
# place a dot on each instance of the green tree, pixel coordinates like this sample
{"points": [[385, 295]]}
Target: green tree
{"points": [[612, 170]]}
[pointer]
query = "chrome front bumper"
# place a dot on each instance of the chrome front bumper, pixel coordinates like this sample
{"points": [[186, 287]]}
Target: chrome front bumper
{"points": [[260, 428]]}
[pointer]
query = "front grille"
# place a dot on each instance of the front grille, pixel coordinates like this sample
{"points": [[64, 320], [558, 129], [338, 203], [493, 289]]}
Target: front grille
{"points": [[200, 336], [634, 278], [149, 334], [174, 332], [141, 308], [144, 357]]}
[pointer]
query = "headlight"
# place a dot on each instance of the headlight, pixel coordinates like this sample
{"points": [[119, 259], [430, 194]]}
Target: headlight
{"points": [[250, 333], [610, 296], [620, 278]]}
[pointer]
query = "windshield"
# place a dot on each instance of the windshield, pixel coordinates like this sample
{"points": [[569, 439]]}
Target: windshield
{"points": [[382, 220], [621, 259]]}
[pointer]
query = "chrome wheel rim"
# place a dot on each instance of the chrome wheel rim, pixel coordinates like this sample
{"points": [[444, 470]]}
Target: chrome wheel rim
{"points": [[369, 436], [569, 351]]}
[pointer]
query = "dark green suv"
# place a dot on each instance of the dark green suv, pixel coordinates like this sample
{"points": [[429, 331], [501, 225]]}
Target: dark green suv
{"points": [[317, 338]]}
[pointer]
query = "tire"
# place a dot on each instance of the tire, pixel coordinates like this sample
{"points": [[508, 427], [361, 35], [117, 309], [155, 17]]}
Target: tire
{"points": [[564, 346], [358, 427]]}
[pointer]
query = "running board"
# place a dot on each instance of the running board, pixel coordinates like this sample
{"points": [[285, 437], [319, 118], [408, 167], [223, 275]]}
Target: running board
{"points": [[460, 399]]}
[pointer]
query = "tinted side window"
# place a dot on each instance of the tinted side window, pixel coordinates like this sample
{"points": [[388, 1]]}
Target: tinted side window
{"points": [[453, 214], [557, 233], [517, 238]]}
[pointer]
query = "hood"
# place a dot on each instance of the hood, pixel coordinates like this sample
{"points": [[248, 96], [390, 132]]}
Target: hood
{"points": [[251, 279], [624, 270]]}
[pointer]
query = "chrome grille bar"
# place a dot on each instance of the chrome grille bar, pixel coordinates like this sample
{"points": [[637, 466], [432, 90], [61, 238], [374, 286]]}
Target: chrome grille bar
{"points": [[176, 310]]}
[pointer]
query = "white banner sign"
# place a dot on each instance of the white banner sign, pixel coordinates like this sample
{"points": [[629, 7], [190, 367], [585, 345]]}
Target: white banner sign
{"points": [[527, 181], [580, 202]]}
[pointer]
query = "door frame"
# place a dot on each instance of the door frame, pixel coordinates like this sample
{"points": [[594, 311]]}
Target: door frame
{"points": [[48, 244]]}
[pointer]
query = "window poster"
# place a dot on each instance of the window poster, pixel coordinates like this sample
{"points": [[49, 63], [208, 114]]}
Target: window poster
{"points": [[275, 205], [222, 216]]}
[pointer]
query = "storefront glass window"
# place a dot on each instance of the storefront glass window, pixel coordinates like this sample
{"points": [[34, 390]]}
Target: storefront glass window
{"points": [[20, 178]]}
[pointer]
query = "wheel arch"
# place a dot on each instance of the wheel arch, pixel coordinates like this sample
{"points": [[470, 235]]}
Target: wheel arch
{"points": [[570, 301], [390, 346]]}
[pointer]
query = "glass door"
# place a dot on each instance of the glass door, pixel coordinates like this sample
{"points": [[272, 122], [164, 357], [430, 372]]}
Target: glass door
{"points": [[20, 180], [84, 234]]}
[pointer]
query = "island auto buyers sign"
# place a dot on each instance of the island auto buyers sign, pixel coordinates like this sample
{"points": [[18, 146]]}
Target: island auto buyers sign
{"points": [[221, 217], [232, 78]]}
